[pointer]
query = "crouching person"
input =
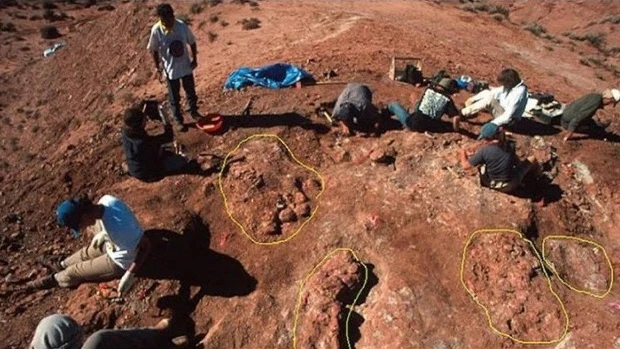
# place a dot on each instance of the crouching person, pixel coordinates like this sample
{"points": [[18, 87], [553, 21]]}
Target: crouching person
{"points": [[354, 110], [117, 250], [427, 111], [145, 156], [499, 168], [579, 115], [61, 331]]}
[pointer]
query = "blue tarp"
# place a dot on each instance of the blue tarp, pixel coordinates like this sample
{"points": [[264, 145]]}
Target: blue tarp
{"points": [[272, 76]]}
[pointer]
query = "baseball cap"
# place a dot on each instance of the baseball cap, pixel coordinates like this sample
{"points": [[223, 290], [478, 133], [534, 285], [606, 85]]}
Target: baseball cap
{"points": [[448, 84], [488, 131], [68, 214]]}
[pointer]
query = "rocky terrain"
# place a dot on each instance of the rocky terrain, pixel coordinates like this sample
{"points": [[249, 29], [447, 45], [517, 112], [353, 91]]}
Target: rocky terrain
{"points": [[399, 200]]}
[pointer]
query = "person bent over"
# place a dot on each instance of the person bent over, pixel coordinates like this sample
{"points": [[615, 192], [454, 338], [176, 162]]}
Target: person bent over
{"points": [[61, 331], [146, 159], [499, 168], [579, 115], [354, 109], [506, 103], [117, 249], [435, 102]]}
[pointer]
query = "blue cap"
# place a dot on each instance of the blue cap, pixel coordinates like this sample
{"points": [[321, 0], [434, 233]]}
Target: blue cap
{"points": [[488, 131], [68, 214]]}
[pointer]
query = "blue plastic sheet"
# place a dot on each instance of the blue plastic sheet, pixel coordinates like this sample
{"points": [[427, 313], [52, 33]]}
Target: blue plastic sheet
{"points": [[272, 76]]}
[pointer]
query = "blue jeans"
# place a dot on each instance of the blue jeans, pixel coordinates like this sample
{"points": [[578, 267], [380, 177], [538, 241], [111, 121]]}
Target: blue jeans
{"points": [[174, 95], [400, 112]]}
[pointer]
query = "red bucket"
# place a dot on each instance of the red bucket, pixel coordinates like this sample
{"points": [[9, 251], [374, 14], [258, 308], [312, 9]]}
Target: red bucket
{"points": [[210, 123]]}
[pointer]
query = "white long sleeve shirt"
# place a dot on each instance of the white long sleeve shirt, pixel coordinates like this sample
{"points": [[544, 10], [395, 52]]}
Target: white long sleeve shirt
{"points": [[513, 103]]}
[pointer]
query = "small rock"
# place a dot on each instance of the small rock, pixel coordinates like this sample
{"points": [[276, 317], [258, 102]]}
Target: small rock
{"points": [[287, 215], [268, 228], [299, 197], [303, 210]]}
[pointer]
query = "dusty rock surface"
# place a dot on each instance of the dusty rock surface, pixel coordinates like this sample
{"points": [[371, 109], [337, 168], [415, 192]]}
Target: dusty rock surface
{"points": [[60, 119]]}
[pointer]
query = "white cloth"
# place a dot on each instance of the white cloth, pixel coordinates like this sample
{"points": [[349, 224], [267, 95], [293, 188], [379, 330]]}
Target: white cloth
{"points": [[122, 229], [513, 103], [159, 41]]}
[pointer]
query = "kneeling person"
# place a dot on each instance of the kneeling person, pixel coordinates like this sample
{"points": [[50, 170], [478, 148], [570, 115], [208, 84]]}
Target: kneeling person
{"points": [[500, 169], [354, 109], [117, 249], [146, 159], [435, 102]]}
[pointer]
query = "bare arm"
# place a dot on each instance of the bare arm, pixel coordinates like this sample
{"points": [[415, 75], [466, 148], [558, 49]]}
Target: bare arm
{"points": [[155, 55], [463, 160]]}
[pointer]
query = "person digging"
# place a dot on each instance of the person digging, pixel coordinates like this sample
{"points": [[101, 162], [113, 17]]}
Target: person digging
{"points": [[579, 115], [168, 44], [145, 156], [499, 168], [117, 249], [59, 331], [435, 102], [354, 110]]}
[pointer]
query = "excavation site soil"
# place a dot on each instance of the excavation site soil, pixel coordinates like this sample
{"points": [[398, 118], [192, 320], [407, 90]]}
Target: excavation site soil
{"points": [[307, 238]]}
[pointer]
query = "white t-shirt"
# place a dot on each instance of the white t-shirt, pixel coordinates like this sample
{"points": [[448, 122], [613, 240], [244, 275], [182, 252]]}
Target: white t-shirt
{"points": [[513, 102], [122, 229], [172, 48]]}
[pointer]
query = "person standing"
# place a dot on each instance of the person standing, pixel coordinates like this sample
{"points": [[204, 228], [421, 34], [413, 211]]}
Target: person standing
{"points": [[168, 44]]}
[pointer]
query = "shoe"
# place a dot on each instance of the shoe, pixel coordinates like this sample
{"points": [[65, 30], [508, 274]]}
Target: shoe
{"points": [[195, 115], [44, 283], [54, 266]]}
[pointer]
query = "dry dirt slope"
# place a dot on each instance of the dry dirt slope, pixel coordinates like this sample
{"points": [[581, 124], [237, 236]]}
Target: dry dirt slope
{"points": [[248, 293]]}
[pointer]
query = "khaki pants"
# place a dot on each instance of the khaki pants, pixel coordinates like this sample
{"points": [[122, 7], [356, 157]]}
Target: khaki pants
{"points": [[88, 265], [486, 103]]}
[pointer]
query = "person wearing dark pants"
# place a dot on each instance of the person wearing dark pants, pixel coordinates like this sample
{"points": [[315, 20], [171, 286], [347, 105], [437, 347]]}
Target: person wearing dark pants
{"points": [[168, 43], [579, 115]]}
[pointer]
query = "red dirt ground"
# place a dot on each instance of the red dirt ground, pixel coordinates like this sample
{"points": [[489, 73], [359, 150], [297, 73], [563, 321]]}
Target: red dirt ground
{"points": [[60, 121]]}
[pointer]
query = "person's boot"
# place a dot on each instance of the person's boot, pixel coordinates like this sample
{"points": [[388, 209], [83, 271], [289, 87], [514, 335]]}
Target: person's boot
{"points": [[43, 283]]}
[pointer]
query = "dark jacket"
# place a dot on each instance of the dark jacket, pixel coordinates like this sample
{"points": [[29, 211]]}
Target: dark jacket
{"points": [[580, 110], [142, 152]]}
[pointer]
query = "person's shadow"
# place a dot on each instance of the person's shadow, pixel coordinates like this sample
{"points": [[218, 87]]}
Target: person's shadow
{"points": [[272, 120], [186, 257]]}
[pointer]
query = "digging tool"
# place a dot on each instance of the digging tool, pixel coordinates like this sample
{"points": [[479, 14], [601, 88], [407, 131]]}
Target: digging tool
{"points": [[247, 109]]}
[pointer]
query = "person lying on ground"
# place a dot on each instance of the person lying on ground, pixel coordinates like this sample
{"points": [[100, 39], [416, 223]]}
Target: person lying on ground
{"points": [[61, 331], [506, 103], [579, 115], [144, 154], [354, 110], [168, 44], [435, 102], [117, 250], [500, 169]]}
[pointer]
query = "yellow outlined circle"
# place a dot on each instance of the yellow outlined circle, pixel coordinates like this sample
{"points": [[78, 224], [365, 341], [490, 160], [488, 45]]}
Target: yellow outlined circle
{"points": [[486, 310], [566, 237], [227, 206], [351, 307]]}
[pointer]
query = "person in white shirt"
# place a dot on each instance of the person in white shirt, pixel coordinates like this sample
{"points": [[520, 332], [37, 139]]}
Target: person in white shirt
{"points": [[506, 103], [168, 44], [117, 250]]}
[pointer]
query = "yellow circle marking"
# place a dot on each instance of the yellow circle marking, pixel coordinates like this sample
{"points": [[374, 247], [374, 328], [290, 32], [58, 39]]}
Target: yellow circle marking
{"points": [[229, 210], [565, 237], [305, 280], [486, 310]]}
